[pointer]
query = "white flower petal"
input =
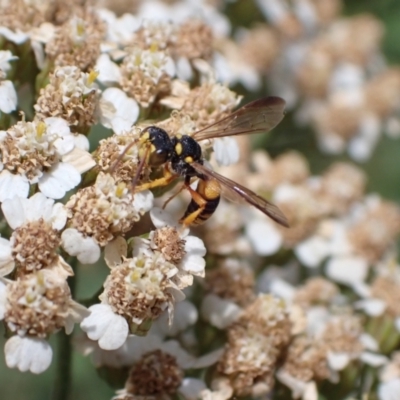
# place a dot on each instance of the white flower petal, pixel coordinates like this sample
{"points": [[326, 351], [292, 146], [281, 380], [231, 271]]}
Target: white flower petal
{"points": [[28, 354], [118, 111], [312, 251], [219, 312], [80, 159], [347, 270], [14, 212], [82, 142], [13, 185], [109, 72], [191, 388], [185, 315], [59, 127], [194, 264], [8, 97], [85, 249], [143, 201], [369, 342], [61, 178], [282, 289], [208, 359], [16, 37], [195, 246], [389, 390], [3, 299], [58, 216], [6, 261], [109, 329], [373, 359], [114, 251], [184, 69], [397, 324], [338, 361], [161, 218], [372, 307], [264, 236], [36, 207], [226, 151]]}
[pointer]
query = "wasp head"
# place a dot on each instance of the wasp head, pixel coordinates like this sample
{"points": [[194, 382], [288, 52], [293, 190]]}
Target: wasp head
{"points": [[161, 147]]}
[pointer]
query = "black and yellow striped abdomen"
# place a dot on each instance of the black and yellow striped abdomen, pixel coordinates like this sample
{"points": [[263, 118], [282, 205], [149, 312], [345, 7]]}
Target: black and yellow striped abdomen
{"points": [[205, 200]]}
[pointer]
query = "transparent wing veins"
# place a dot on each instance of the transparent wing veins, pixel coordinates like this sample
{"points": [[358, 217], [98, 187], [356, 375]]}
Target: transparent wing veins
{"points": [[235, 191]]}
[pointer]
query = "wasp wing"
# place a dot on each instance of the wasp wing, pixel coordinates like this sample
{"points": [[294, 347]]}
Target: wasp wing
{"points": [[256, 117], [233, 191]]}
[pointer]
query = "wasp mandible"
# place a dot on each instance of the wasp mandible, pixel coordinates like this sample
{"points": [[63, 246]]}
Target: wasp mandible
{"points": [[181, 156]]}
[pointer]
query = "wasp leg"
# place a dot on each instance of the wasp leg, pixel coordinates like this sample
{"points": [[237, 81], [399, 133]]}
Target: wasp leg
{"points": [[163, 181], [173, 196], [200, 201]]}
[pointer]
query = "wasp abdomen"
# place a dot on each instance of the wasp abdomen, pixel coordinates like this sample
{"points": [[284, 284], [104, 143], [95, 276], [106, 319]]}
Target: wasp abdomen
{"points": [[201, 215], [205, 200]]}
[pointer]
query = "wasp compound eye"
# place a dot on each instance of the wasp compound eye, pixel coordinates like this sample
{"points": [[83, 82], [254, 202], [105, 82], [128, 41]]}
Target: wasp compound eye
{"points": [[161, 146]]}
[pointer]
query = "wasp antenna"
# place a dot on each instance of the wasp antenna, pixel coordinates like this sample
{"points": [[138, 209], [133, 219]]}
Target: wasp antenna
{"points": [[139, 169], [120, 157]]}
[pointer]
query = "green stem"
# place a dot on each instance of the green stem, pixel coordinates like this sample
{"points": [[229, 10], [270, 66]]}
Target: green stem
{"points": [[63, 381], [62, 384]]}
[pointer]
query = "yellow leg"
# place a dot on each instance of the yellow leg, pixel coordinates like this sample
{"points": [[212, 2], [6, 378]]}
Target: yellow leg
{"points": [[163, 181], [200, 201]]}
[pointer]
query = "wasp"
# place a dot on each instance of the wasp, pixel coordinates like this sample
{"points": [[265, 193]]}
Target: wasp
{"points": [[181, 156]]}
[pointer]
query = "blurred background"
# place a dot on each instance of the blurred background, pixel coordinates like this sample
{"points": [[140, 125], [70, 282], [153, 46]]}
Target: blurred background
{"points": [[382, 167]]}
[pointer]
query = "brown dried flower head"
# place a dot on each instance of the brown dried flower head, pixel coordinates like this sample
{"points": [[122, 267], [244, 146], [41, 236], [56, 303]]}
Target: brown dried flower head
{"points": [[194, 39], [316, 291], [140, 288], [260, 37], [72, 95], [37, 304], [107, 157], [103, 210], [146, 75], [156, 374], [77, 43], [341, 185], [232, 280], [376, 231], [169, 243], [255, 343], [34, 246]]}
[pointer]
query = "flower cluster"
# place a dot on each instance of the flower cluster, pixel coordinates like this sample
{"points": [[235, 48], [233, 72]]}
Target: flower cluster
{"points": [[239, 307]]}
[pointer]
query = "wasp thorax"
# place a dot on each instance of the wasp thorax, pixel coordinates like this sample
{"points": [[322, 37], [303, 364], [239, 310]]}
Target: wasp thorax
{"points": [[186, 151], [161, 146]]}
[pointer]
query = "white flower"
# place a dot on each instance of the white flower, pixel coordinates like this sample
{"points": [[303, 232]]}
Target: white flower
{"points": [[28, 354], [389, 390], [347, 269], [8, 97], [312, 251], [191, 388], [118, 111], [18, 37], [5, 57], [226, 151], [119, 30], [263, 235], [219, 312], [26, 213], [103, 325], [84, 248], [185, 315], [43, 148], [193, 261], [109, 72], [136, 346]]}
